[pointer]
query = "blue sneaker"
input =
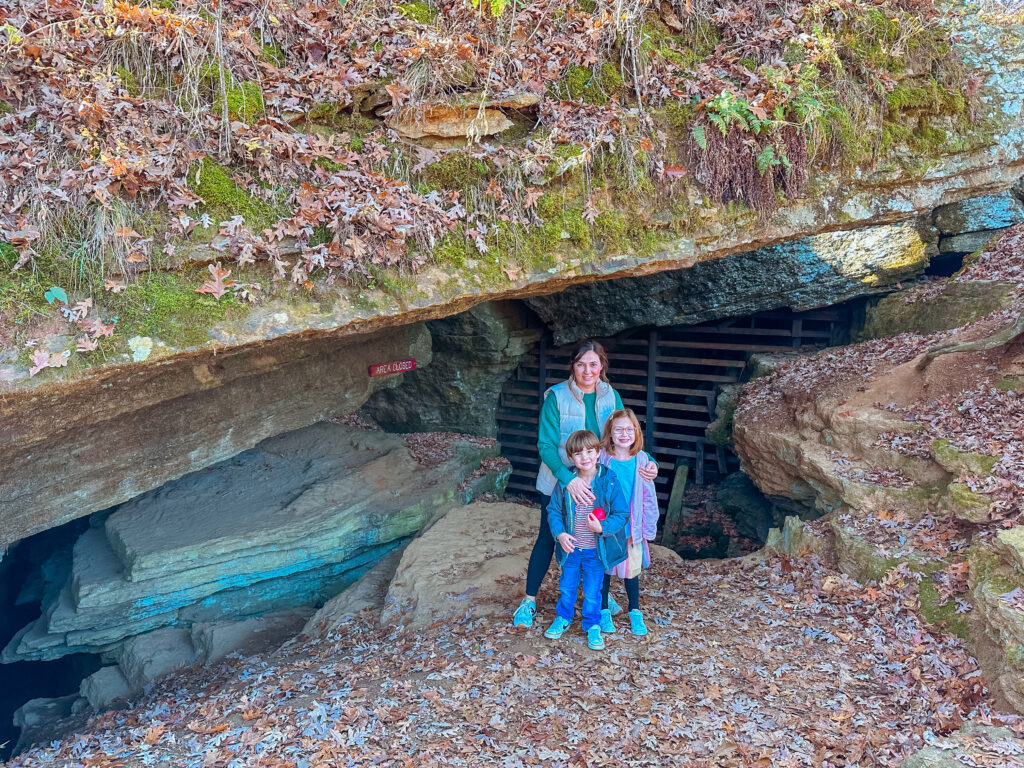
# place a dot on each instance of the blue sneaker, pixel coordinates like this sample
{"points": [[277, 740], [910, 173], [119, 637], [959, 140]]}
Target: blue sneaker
{"points": [[614, 607], [606, 621], [636, 623], [594, 639], [524, 613], [558, 626]]}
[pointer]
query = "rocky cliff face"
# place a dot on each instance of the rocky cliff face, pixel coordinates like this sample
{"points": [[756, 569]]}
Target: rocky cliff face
{"points": [[299, 355], [908, 445]]}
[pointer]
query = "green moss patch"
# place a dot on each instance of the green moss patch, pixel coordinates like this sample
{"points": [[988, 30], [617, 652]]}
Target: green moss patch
{"points": [[245, 102], [166, 307], [944, 616], [127, 80], [224, 199], [456, 170], [590, 85], [418, 11]]}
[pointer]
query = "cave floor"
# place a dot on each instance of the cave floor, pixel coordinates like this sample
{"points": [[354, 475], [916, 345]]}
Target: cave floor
{"points": [[748, 663]]}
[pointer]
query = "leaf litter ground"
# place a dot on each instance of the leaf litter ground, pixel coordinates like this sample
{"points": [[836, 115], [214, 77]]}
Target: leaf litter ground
{"points": [[748, 663]]}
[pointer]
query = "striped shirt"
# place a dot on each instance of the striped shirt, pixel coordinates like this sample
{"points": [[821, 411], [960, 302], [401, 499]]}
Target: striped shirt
{"points": [[585, 538]]}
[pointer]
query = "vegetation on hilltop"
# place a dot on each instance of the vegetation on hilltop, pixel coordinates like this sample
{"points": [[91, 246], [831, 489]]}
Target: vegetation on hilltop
{"points": [[135, 137]]}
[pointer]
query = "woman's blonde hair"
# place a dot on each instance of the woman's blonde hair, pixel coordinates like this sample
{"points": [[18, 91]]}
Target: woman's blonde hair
{"points": [[638, 435], [580, 440]]}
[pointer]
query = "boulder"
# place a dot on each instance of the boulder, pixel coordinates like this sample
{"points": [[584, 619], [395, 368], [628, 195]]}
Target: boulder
{"points": [[213, 641], [474, 354], [973, 744], [104, 687], [955, 304], [367, 593], [288, 523], [796, 538], [807, 273], [37, 717], [741, 500], [147, 657], [470, 561], [719, 431]]}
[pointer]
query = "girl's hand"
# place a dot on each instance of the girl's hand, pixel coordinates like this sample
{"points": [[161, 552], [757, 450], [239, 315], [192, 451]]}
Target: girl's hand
{"points": [[649, 471], [593, 523], [579, 490], [629, 542], [567, 541]]}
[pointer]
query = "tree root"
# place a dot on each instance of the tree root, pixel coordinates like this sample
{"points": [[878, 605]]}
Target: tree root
{"points": [[999, 339]]}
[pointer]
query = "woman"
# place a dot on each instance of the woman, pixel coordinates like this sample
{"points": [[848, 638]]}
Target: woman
{"points": [[583, 401]]}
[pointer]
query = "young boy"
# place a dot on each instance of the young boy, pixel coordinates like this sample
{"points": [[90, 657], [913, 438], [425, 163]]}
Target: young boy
{"points": [[578, 532]]}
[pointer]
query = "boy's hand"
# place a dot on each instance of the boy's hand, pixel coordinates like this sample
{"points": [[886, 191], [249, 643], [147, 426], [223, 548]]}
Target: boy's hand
{"points": [[567, 541], [593, 523]]}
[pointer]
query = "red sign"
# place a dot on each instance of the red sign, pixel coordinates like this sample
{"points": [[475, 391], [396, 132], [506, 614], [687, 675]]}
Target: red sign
{"points": [[399, 366]]}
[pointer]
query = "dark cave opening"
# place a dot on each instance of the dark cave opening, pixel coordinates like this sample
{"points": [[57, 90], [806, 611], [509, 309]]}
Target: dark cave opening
{"points": [[28, 573]]}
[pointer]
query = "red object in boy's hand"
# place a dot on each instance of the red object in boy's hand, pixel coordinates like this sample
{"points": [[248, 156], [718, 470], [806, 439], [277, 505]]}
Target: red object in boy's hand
{"points": [[599, 513]]}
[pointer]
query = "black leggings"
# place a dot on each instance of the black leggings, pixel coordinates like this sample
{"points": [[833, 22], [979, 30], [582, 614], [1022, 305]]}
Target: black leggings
{"points": [[632, 592], [543, 549]]}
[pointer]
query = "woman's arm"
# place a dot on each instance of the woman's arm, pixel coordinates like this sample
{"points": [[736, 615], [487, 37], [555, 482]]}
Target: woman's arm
{"points": [[649, 471], [547, 442]]}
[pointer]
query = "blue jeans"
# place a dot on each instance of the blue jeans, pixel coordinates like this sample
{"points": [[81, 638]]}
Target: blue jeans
{"points": [[581, 564]]}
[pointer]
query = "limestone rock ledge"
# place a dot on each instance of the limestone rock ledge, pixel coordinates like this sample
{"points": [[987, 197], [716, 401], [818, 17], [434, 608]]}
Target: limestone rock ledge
{"points": [[74, 448], [286, 524]]}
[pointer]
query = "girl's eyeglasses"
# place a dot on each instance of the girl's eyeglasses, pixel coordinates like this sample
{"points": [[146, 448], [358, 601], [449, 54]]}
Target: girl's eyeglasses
{"points": [[623, 431]]}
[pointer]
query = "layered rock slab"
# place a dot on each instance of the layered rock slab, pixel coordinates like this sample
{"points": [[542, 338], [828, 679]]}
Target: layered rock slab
{"points": [[69, 451], [808, 273], [288, 523]]}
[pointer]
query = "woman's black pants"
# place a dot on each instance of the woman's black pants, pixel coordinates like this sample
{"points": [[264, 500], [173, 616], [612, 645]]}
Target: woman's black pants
{"points": [[543, 549]]}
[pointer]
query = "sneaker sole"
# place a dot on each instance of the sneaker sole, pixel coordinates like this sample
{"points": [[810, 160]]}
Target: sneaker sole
{"points": [[551, 636], [593, 647]]}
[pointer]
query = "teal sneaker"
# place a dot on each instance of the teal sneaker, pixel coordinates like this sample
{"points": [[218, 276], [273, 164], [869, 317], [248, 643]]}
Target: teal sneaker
{"points": [[558, 626], [614, 607], [606, 621], [524, 613], [636, 623], [594, 639]]}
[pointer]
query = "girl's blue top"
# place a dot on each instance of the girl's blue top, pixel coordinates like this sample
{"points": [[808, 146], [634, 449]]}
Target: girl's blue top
{"points": [[625, 473]]}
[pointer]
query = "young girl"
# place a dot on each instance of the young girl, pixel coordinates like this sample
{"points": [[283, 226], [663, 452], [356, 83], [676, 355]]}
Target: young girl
{"points": [[622, 451]]}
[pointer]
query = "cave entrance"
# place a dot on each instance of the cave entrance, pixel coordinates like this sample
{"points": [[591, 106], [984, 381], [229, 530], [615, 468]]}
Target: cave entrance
{"points": [[672, 378]]}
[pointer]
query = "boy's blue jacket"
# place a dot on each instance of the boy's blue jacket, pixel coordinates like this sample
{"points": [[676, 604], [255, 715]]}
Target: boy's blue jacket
{"points": [[562, 512]]}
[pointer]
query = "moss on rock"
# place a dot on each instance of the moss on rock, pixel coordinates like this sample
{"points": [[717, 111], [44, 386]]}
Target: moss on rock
{"points": [[456, 170], [941, 615], [225, 199], [166, 307]]}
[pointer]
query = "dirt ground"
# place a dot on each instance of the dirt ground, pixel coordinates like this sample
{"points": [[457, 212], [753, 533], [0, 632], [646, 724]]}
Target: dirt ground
{"points": [[748, 663]]}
